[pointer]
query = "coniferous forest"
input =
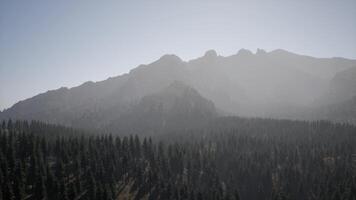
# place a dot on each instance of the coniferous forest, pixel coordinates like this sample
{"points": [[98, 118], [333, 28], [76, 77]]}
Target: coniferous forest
{"points": [[236, 159], [178, 100]]}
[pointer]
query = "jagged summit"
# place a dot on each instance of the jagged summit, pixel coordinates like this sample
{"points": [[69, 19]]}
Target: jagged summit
{"points": [[281, 51], [170, 58], [260, 52], [210, 53], [244, 52], [166, 62]]}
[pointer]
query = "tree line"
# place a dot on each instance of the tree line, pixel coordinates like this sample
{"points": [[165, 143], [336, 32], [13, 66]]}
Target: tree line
{"points": [[233, 159]]}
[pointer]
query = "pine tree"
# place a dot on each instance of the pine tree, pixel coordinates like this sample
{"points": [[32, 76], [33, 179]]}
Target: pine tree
{"points": [[92, 188], [9, 125], [236, 195], [7, 191], [51, 184], [19, 182], [3, 126], [39, 188], [72, 193], [63, 190]]}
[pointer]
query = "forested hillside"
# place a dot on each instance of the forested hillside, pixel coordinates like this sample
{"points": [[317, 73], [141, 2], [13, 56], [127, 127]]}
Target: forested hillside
{"points": [[237, 159]]}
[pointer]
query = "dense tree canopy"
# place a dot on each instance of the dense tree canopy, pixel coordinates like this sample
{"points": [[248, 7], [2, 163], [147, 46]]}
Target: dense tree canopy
{"points": [[237, 159]]}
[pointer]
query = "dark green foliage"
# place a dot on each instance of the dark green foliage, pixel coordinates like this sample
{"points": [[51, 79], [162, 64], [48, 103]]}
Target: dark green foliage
{"points": [[234, 159]]}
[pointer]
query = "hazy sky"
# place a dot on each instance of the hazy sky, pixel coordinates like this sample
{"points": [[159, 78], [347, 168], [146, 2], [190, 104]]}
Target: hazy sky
{"points": [[48, 44]]}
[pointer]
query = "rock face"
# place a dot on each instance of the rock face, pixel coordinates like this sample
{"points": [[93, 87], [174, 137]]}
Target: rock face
{"points": [[266, 84]]}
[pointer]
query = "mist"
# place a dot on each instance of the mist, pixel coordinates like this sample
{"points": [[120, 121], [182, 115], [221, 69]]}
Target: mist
{"points": [[48, 45], [163, 100]]}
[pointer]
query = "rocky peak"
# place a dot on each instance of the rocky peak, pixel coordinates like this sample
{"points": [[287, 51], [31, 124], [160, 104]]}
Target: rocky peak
{"points": [[211, 54]]}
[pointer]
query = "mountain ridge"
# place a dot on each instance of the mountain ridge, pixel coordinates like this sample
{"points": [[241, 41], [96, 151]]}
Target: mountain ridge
{"points": [[245, 84]]}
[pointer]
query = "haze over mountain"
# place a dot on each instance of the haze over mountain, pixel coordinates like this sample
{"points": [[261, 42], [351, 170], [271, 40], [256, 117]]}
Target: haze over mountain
{"points": [[342, 87], [277, 84]]}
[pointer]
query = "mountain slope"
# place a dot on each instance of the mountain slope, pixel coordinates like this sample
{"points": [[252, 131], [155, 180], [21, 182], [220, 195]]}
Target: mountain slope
{"points": [[250, 84], [341, 88], [175, 107], [265, 84], [344, 112]]}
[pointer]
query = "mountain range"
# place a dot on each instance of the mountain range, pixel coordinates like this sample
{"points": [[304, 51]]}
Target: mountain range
{"points": [[171, 92]]}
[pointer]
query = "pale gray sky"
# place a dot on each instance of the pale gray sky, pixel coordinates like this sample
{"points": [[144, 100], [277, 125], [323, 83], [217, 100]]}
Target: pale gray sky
{"points": [[48, 44]]}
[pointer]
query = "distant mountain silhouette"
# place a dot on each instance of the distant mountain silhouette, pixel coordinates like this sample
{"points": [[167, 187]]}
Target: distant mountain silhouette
{"points": [[344, 112], [264, 84], [341, 88], [176, 107], [338, 103]]}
